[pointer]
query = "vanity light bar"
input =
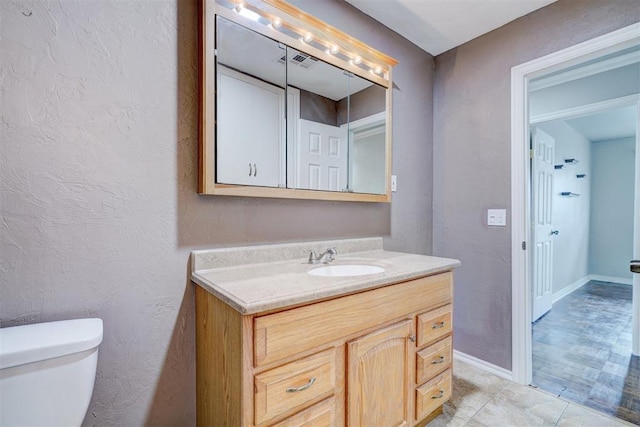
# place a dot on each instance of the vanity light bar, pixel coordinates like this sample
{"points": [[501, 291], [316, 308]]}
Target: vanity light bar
{"points": [[290, 21]]}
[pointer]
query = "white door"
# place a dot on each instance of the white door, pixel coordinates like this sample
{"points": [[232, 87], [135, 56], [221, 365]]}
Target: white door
{"points": [[322, 157], [542, 167], [250, 130]]}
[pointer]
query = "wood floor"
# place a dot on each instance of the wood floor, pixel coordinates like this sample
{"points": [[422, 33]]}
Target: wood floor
{"points": [[582, 350]]}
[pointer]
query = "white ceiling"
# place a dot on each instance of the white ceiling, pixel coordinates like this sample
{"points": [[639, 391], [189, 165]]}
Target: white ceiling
{"points": [[263, 58], [439, 25], [607, 125]]}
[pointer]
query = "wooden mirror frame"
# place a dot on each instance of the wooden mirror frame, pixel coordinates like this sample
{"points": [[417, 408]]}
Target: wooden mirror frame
{"points": [[294, 20]]}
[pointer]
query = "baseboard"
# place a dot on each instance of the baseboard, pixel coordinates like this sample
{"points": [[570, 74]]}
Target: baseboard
{"points": [[581, 282], [621, 280], [571, 288], [481, 364]]}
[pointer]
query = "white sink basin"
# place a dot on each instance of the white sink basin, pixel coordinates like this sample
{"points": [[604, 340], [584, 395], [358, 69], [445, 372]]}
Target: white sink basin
{"points": [[345, 270]]}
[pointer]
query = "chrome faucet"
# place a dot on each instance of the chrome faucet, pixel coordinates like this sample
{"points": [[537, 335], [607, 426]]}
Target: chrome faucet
{"points": [[325, 258]]}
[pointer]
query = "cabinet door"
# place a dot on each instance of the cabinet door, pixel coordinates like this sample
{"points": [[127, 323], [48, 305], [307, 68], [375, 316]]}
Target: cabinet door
{"points": [[250, 130], [380, 377]]}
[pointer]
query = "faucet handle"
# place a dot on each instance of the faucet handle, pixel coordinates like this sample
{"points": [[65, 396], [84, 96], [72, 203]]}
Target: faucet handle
{"points": [[330, 253]]}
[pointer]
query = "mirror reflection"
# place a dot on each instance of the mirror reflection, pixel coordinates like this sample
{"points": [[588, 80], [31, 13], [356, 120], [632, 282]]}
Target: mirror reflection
{"points": [[250, 107], [285, 118], [367, 138], [317, 137]]}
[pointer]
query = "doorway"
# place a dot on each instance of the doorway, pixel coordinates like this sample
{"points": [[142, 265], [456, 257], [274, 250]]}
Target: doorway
{"points": [[521, 190], [582, 335]]}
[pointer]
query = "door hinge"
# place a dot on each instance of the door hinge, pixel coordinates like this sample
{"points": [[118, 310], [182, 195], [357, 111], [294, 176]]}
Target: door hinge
{"points": [[524, 246], [532, 153]]}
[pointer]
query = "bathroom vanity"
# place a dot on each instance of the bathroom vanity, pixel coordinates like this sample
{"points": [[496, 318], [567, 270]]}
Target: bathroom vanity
{"points": [[277, 346]]}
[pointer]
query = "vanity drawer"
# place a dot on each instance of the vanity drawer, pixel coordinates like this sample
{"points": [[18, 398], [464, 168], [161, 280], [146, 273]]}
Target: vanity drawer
{"points": [[321, 414], [294, 386], [277, 335], [434, 325], [433, 360], [432, 394]]}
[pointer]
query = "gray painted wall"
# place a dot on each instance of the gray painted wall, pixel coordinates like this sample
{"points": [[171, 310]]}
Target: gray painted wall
{"points": [[365, 103], [318, 108], [472, 151], [98, 185], [570, 214], [612, 189]]}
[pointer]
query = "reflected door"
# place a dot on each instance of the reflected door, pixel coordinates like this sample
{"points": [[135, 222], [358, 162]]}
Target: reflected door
{"points": [[322, 156], [542, 168]]}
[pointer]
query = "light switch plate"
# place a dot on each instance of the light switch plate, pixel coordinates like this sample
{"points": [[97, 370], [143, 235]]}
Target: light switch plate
{"points": [[497, 217], [394, 183]]}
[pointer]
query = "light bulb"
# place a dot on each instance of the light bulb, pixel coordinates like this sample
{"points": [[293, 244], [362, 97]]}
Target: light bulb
{"points": [[378, 70], [334, 49], [239, 6], [307, 37], [276, 22], [357, 60]]}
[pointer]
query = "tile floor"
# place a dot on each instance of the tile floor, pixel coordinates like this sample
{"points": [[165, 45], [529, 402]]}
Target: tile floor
{"points": [[483, 399], [582, 350]]}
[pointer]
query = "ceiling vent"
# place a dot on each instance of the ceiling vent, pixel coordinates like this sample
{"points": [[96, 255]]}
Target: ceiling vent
{"points": [[301, 59]]}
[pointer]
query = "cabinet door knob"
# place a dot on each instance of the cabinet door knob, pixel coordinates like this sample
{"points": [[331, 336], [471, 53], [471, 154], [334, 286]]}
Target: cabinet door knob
{"points": [[250, 169], [438, 325], [255, 170], [412, 338], [303, 387]]}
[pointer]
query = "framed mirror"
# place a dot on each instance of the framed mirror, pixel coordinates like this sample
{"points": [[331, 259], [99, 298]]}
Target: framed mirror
{"points": [[290, 106]]}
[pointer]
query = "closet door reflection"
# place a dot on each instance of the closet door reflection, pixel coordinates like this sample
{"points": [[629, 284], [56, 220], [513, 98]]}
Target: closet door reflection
{"points": [[250, 106]]}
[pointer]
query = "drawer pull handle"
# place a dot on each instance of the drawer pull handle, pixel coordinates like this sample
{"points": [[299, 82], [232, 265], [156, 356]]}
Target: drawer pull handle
{"points": [[438, 360], [439, 395], [303, 387], [412, 338], [438, 325]]}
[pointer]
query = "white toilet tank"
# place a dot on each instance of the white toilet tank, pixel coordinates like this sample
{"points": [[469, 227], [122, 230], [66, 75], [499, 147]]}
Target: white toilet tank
{"points": [[47, 372]]}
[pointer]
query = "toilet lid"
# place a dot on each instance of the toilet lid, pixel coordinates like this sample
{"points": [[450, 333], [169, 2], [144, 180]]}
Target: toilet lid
{"points": [[20, 345]]}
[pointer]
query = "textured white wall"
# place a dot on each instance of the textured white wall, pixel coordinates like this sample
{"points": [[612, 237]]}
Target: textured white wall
{"points": [[612, 200], [570, 214], [97, 111], [98, 137]]}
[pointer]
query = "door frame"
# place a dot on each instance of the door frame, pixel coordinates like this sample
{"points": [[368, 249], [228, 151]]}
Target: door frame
{"points": [[521, 341]]}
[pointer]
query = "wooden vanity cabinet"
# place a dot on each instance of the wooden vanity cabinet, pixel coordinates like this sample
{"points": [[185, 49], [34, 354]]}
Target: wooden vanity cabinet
{"points": [[379, 357]]}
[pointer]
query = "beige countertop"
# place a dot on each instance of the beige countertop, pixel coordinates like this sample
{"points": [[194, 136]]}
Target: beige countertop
{"points": [[253, 279]]}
